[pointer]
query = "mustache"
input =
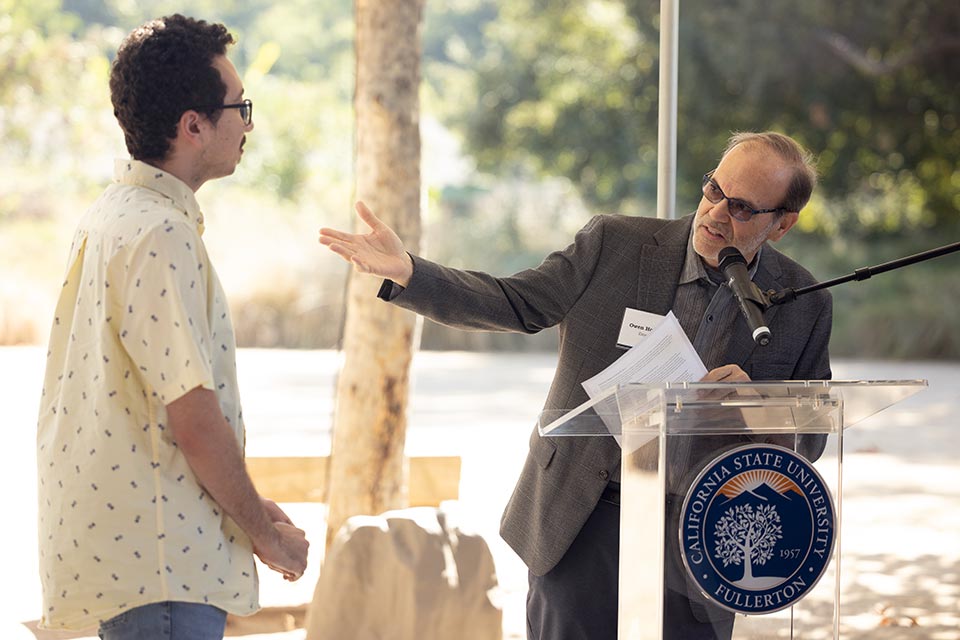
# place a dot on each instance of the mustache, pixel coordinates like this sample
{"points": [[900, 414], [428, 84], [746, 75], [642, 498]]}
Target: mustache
{"points": [[715, 229]]}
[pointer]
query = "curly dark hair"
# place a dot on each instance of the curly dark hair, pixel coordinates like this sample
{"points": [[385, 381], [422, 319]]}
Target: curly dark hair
{"points": [[162, 69]]}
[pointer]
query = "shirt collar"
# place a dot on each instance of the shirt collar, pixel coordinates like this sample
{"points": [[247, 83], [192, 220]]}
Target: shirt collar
{"points": [[694, 268], [141, 174]]}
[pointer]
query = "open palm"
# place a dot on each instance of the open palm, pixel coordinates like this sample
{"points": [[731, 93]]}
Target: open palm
{"points": [[379, 252]]}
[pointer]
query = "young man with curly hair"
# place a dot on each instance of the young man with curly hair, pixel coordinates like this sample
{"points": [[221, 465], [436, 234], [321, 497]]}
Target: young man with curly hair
{"points": [[148, 520]]}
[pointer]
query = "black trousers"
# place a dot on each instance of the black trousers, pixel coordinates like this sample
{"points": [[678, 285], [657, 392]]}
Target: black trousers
{"points": [[577, 599]]}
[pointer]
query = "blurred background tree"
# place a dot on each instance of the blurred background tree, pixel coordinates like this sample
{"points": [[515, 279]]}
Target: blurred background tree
{"points": [[535, 115], [569, 89]]}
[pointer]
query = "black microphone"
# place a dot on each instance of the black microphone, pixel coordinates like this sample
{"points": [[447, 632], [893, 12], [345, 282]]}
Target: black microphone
{"points": [[751, 300]]}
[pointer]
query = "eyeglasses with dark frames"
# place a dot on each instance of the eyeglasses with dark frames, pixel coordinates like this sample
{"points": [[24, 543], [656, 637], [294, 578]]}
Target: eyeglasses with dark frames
{"points": [[245, 107], [739, 210]]}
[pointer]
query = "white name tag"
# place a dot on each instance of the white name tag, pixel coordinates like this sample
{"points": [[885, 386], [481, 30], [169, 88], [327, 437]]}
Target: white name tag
{"points": [[636, 325]]}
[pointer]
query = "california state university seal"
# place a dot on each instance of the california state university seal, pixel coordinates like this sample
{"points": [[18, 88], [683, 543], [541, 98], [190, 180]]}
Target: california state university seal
{"points": [[757, 529]]}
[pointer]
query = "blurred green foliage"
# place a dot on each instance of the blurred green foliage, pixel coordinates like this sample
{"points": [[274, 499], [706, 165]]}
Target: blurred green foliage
{"points": [[571, 89], [534, 116]]}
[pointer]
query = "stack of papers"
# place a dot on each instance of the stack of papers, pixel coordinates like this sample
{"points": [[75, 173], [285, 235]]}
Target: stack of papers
{"points": [[665, 354]]}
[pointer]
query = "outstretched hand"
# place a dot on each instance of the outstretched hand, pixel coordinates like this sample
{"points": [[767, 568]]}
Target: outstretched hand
{"points": [[379, 252]]}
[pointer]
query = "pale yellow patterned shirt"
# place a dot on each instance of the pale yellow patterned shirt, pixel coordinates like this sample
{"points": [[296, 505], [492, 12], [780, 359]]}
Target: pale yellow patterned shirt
{"points": [[141, 320]]}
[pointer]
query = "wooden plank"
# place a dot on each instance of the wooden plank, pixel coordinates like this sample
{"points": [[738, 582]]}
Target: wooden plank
{"points": [[433, 480], [299, 479], [290, 479]]}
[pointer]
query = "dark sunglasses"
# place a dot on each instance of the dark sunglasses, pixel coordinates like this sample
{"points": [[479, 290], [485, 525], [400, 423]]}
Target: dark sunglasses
{"points": [[738, 209]]}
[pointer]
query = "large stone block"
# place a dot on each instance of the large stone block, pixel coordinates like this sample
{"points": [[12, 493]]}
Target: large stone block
{"points": [[410, 574]]}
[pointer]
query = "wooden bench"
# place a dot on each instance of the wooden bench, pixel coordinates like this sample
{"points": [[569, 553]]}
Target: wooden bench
{"points": [[432, 479]]}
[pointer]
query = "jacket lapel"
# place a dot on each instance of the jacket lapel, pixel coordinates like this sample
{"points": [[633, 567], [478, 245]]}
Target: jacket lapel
{"points": [[660, 267]]}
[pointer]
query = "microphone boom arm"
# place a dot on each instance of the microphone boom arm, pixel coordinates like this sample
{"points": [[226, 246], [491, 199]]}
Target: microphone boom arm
{"points": [[863, 273]]}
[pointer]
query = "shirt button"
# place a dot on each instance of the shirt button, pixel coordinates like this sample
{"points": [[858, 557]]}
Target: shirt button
{"points": [[710, 318], [604, 474]]}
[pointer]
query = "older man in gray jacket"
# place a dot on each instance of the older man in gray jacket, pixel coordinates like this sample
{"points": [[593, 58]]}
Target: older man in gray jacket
{"points": [[563, 516]]}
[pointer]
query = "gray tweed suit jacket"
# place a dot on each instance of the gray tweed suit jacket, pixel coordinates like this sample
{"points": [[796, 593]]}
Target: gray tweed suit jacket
{"points": [[613, 263]]}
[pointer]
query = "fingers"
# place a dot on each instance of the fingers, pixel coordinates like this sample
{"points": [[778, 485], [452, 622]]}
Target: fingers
{"points": [[296, 545], [288, 575], [347, 254], [328, 235], [367, 216], [339, 249], [289, 555], [379, 252], [712, 376], [726, 373]]}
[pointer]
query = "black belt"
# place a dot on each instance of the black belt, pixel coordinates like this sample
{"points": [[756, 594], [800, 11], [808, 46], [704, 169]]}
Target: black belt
{"points": [[611, 493]]}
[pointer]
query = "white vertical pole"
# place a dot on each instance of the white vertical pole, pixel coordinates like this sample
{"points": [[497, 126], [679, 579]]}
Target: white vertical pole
{"points": [[667, 111]]}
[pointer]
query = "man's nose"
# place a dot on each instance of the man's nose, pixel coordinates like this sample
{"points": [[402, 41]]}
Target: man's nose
{"points": [[720, 210]]}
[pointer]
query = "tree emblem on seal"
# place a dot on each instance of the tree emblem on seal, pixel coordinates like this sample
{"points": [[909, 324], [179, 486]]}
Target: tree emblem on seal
{"points": [[748, 535]]}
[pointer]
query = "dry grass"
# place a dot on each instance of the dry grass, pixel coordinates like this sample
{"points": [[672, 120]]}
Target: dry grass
{"points": [[284, 288]]}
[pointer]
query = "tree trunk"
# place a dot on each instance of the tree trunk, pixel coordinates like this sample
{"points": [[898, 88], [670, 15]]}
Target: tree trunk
{"points": [[367, 470], [747, 563]]}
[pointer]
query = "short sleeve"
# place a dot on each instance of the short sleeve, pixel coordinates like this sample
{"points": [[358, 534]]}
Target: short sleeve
{"points": [[165, 329]]}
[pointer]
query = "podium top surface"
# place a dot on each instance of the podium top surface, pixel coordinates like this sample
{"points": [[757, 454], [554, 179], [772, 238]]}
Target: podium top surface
{"points": [[796, 406]]}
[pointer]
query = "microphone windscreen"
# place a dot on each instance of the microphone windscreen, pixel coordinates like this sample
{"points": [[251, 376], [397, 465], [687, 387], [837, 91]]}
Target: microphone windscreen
{"points": [[730, 256]]}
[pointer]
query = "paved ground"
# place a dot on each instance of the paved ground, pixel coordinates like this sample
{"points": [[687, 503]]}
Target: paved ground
{"points": [[901, 512]]}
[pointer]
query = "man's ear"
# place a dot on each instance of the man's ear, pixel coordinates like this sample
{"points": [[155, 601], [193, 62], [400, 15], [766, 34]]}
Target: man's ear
{"points": [[784, 224], [191, 128]]}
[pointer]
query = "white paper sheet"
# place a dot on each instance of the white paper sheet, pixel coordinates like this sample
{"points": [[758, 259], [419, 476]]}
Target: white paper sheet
{"points": [[664, 355]]}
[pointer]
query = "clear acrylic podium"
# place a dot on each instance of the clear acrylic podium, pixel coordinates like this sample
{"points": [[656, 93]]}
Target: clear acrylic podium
{"points": [[668, 432]]}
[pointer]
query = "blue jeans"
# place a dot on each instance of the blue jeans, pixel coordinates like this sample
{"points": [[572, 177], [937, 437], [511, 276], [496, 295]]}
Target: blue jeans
{"points": [[167, 621]]}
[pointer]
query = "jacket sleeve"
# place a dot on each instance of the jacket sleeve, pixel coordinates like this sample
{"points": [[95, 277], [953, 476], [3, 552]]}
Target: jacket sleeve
{"points": [[525, 302]]}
